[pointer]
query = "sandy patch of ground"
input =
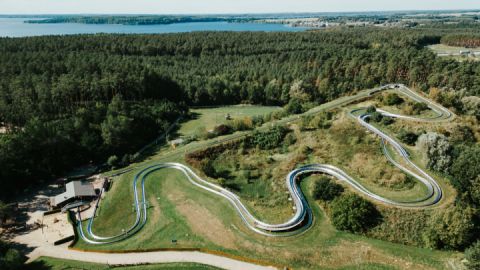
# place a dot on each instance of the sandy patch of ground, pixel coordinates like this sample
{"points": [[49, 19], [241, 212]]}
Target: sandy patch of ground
{"points": [[56, 227], [202, 221]]}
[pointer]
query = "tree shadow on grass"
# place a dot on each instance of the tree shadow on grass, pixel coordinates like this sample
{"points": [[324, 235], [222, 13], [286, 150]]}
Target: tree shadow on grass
{"points": [[38, 265]]}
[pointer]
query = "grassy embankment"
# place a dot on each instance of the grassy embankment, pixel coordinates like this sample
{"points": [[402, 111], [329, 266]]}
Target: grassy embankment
{"points": [[47, 263], [199, 219], [208, 118]]}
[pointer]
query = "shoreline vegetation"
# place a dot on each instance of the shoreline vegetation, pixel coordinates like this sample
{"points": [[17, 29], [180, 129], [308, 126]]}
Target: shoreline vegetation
{"points": [[402, 19], [138, 20]]}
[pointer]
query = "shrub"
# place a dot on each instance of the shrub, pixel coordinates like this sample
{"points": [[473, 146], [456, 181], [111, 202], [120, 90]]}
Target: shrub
{"points": [[451, 229], [294, 107], [305, 122], [268, 139], [387, 121], [246, 123], [371, 109], [471, 106], [472, 254], [290, 139], [325, 189], [466, 168], [112, 161], [352, 213], [201, 133], [376, 117], [407, 137], [438, 151], [419, 107], [136, 157], [462, 134], [125, 160], [257, 120], [10, 258], [322, 120], [392, 99], [222, 130]]}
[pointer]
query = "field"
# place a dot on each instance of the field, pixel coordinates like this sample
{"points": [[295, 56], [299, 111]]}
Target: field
{"points": [[454, 52], [208, 118], [56, 264], [196, 218]]}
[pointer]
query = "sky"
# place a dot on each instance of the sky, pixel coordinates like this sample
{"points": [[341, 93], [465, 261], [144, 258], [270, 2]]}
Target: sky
{"points": [[222, 6]]}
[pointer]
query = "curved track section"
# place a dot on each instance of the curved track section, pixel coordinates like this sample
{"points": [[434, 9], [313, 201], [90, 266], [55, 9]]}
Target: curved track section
{"points": [[302, 219]]}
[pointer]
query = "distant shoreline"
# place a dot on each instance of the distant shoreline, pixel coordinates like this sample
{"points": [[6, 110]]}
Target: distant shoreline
{"points": [[250, 14], [144, 19]]}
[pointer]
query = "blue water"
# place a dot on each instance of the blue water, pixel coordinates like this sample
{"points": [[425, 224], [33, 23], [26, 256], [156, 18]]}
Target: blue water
{"points": [[15, 27]]}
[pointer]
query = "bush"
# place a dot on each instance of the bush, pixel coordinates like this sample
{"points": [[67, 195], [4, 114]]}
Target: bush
{"points": [[387, 121], [202, 133], [471, 106], [294, 107], [472, 254], [407, 137], [268, 139], [438, 151], [10, 258], [126, 160], [352, 213], [222, 130], [376, 117], [112, 161], [392, 99], [462, 134], [290, 139], [325, 189], [419, 107], [451, 229], [466, 169], [322, 120], [246, 123], [371, 109]]}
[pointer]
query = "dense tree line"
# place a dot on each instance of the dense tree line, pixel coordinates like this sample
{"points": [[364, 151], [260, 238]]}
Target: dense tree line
{"points": [[69, 100], [138, 20], [462, 40]]}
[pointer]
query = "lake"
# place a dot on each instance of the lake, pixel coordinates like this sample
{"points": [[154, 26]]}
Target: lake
{"points": [[15, 27]]}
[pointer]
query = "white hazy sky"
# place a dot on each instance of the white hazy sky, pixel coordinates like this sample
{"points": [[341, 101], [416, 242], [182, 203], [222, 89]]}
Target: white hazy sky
{"points": [[222, 6]]}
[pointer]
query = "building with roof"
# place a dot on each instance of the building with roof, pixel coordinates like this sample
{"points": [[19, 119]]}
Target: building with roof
{"points": [[75, 190]]}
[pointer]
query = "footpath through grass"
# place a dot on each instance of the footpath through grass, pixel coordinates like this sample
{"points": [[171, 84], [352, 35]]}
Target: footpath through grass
{"points": [[47, 263], [196, 218]]}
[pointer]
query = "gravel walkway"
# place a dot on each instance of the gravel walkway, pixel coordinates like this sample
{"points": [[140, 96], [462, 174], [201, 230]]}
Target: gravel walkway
{"points": [[62, 252]]}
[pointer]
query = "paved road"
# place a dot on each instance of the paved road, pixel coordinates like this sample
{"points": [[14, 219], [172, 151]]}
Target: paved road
{"points": [[61, 252]]}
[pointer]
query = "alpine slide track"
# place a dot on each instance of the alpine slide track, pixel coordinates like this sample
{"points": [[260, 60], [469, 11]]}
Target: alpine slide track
{"points": [[302, 219]]}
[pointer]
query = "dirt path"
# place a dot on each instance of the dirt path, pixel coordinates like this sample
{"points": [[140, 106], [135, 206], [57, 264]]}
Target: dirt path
{"points": [[38, 242], [38, 245], [62, 252]]}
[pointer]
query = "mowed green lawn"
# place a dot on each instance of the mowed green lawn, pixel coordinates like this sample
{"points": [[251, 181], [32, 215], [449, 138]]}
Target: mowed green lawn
{"points": [[46, 263], [196, 218], [210, 117]]}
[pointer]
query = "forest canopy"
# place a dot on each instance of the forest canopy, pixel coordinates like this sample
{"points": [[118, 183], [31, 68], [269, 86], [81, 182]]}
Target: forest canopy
{"points": [[70, 100]]}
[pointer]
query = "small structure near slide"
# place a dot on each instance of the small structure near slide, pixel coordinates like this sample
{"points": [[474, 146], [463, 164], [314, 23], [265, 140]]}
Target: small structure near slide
{"points": [[75, 190]]}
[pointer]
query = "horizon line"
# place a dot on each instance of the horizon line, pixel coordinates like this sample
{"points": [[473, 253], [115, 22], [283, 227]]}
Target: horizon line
{"points": [[243, 13]]}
